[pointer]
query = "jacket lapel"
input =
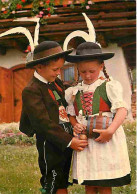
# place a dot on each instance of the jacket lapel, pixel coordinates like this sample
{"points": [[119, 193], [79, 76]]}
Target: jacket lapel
{"points": [[45, 93]]}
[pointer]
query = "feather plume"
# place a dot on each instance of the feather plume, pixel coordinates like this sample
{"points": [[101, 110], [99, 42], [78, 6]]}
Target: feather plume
{"points": [[22, 30], [91, 29], [36, 33], [77, 33], [91, 37]]}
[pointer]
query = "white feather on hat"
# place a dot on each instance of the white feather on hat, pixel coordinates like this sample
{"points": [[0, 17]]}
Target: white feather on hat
{"points": [[27, 33], [91, 37]]}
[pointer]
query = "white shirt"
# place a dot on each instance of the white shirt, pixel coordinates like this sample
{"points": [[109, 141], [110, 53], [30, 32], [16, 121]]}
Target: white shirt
{"points": [[39, 77]]}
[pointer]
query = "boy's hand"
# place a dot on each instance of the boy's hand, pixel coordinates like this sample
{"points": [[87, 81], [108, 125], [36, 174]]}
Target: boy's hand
{"points": [[105, 135], [78, 128], [78, 144]]}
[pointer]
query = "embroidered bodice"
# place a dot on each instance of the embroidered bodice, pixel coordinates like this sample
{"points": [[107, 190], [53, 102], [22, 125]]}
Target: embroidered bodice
{"points": [[113, 93]]}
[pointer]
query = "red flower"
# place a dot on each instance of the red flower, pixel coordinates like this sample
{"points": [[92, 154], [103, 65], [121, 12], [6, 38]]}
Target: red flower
{"points": [[19, 6], [48, 1], [5, 12], [23, 1], [48, 8], [49, 15], [28, 49], [64, 5]]}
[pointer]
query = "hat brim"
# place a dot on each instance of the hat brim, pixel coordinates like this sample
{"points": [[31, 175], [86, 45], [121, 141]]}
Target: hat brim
{"points": [[78, 58], [45, 59]]}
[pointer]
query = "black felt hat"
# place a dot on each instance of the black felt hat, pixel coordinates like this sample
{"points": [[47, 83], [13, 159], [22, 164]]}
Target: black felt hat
{"points": [[45, 51], [88, 51]]}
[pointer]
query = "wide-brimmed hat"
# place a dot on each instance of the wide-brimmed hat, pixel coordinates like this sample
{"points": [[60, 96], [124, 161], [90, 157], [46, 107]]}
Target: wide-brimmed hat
{"points": [[88, 51], [45, 51]]}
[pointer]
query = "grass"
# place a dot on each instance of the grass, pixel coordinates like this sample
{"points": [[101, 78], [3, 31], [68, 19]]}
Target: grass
{"points": [[19, 171]]}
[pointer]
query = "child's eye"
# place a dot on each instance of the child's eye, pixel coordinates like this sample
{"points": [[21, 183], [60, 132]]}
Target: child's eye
{"points": [[55, 69], [91, 71]]}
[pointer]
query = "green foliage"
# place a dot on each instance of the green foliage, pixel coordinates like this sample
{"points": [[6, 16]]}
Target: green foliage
{"points": [[18, 140], [10, 134], [9, 8]]}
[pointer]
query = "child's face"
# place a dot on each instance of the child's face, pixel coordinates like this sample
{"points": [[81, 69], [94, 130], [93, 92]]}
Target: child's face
{"points": [[52, 70], [89, 70]]}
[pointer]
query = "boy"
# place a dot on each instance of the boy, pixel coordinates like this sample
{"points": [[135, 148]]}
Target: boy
{"points": [[43, 113]]}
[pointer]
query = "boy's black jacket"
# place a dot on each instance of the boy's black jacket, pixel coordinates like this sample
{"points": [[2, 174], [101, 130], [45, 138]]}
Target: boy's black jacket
{"points": [[40, 114]]}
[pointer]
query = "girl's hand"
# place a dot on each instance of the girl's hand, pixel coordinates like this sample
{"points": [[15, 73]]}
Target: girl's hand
{"points": [[78, 128], [105, 135]]}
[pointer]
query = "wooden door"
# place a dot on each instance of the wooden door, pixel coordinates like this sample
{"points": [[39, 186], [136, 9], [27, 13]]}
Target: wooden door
{"points": [[6, 95], [21, 76]]}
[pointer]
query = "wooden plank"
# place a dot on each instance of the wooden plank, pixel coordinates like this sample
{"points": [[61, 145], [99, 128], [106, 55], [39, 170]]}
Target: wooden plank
{"points": [[82, 25], [119, 31], [7, 25], [126, 41], [101, 15], [58, 19], [6, 95]]}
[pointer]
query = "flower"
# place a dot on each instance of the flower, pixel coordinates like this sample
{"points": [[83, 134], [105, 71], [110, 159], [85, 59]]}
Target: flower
{"points": [[23, 1], [41, 3], [87, 7], [28, 49], [40, 16], [41, 12], [10, 134], [64, 5], [49, 15], [13, 12], [5, 12], [20, 133], [69, 2], [3, 9], [19, 6], [90, 2], [48, 1], [48, 8]]}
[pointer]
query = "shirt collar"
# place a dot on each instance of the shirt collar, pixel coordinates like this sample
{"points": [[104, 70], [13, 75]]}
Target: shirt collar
{"points": [[39, 77], [95, 82]]}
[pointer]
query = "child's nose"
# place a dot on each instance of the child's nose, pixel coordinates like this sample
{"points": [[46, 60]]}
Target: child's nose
{"points": [[58, 72], [87, 75]]}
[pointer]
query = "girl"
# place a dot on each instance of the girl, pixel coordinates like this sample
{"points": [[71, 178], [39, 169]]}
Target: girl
{"points": [[104, 163]]}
